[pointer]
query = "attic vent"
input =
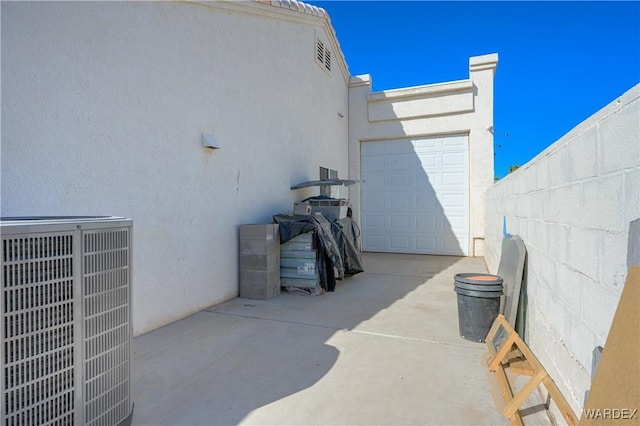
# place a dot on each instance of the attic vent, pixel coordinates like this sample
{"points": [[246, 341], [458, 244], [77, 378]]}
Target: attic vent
{"points": [[323, 55], [320, 52], [327, 59]]}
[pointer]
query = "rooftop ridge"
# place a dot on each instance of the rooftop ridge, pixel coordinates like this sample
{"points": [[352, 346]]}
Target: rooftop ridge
{"points": [[299, 6]]}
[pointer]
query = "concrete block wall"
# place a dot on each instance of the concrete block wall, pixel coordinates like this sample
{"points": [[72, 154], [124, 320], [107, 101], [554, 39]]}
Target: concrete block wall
{"points": [[573, 205]]}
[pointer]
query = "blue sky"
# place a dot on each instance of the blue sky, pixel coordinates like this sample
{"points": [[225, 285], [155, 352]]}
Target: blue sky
{"points": [[559, 62]]}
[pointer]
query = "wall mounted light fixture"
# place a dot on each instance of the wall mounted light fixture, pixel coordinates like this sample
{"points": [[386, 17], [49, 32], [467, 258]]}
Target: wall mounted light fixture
{"points": [[209, 142]]}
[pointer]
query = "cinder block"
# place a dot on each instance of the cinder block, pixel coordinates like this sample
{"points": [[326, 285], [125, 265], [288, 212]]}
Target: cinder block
{"points": [[260, 277], [521, 206], [601, 209], [260, 261], [570, 376], [569, 289], [583, 246], [558, 167], [259, 247], [259, 232], [631, 204], [541, 171], [557, 317], [274, 290], [527, 181], [613, 260], [560, 242], [570, 205], [549, 272], [583, 156], [581, 341], [537, 205], [599, 304], [260, 292], [619, 136], [541, 294]]}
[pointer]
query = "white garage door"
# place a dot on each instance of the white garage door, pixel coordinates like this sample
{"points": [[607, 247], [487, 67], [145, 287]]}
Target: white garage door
{"points": [[415, 198]]}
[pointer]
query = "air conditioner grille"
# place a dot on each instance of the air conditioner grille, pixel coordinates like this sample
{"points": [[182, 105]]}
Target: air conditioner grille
{"points": [[37, 247], [106, 326], [38, 329], [65, 331]]}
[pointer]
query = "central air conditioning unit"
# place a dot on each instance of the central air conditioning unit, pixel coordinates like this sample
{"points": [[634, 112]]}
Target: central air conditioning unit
{"points": [[65, 299]]}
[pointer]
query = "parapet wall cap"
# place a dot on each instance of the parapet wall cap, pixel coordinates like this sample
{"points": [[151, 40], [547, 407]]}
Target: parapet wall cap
{"points": [[360, 80], [483, 62]]}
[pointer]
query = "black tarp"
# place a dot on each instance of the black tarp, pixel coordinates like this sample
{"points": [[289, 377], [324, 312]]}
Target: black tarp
{"points": [[346, 233], [336, 242]]}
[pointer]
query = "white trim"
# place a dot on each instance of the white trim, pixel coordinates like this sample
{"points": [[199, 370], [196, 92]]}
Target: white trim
{"points": [[483, 62], [421, 91]]}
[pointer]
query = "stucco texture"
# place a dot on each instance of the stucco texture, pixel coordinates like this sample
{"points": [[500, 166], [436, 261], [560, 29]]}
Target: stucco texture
{"points": [[103, 108]]}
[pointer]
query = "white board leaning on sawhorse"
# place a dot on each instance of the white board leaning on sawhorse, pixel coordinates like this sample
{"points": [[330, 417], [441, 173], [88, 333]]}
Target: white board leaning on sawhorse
{"points": [[513, 255]]}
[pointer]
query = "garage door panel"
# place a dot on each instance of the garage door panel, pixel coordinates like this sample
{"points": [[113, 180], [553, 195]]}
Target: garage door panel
{"points": [[400, 243], [376, 149], [398, 221], [400, 147], [374, 221], [452, 159], [457, 223], [426, 202], [399, 162], [400, 202], [373, 164], [428, 145], [428, 161], [454, 200], [376, 179], [400, 180], [458, 143], [415, 195], [451, 245], [373, 202], [426, 244], [375, 242], [426, 222], [455, 179]]}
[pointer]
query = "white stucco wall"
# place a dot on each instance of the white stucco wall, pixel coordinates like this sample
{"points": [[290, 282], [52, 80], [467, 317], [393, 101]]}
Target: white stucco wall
{"points": [[103, 108], [457, 107], [573, 205]]}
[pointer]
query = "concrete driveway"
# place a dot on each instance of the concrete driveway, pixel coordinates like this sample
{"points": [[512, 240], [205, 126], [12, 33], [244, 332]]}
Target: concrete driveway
{"points": [[383, 349]]}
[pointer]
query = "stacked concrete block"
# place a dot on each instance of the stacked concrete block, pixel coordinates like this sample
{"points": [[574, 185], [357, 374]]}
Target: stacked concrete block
{"points": [[298, 268], [259, 261]]}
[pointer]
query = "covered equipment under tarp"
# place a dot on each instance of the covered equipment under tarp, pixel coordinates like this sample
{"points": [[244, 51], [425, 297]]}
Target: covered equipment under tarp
{"points": [[336, 242]]}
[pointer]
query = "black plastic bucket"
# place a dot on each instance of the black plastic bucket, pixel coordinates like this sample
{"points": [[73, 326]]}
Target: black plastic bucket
{"points": [[478, 304]]}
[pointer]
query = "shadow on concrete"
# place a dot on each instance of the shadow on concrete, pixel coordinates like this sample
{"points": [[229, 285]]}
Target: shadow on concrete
{"points": [[221, 364]]}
